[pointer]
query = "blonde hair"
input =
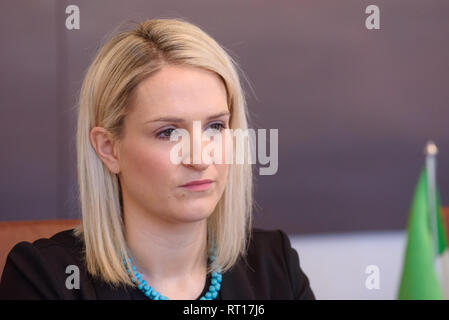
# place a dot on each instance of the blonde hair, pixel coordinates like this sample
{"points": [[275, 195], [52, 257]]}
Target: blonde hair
{"points": [[119, 66]]}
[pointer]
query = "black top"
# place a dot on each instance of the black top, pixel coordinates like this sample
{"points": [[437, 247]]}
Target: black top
{"points": [[37, 270]]}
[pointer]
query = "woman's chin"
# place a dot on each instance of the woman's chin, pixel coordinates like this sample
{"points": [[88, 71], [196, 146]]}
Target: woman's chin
{"points": [[194, 213]]}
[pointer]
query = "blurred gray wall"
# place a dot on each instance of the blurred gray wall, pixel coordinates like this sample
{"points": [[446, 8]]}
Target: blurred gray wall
{"points": [[354, 107]]}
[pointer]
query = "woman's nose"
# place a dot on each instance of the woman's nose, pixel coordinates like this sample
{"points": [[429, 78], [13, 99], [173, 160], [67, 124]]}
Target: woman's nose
{"points": [[195, 160]]}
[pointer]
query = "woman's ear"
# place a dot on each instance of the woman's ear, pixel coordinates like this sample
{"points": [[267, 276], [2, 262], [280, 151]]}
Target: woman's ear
{"points": [[106, 148]]}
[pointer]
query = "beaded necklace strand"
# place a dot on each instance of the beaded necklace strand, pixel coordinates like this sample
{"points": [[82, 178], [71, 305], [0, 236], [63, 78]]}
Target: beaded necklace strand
{"points": [[152, 294]]}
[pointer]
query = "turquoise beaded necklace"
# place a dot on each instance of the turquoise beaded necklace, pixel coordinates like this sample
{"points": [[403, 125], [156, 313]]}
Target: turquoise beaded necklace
{"points": [[152, 294]]}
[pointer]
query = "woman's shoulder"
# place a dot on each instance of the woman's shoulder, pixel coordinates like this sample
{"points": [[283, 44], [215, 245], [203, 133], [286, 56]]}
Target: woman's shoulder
{"points": [[61, 245], [40, 269], [61, 248], [66, 238], [275, 243], [268, 236], [62, 241], [272, 267]]}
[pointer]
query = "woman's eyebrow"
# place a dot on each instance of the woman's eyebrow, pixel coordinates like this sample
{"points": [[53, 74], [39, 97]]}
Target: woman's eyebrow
{"points": [[176, 119]]}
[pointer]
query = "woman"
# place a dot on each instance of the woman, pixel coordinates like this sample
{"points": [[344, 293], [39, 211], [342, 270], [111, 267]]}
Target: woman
{"points": [[153, 228]]}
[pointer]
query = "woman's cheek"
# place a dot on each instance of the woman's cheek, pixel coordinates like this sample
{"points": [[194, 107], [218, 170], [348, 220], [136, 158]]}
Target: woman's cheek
{"points": [[155, 164], [148, 160]]}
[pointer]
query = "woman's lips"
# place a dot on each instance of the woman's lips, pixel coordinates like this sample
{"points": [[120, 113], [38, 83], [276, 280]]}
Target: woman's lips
{"points": [[199, 185]]}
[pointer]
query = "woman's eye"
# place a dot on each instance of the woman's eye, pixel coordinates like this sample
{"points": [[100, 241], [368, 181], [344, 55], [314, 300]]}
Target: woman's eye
{"points": [[166, 133], [217, 126]]}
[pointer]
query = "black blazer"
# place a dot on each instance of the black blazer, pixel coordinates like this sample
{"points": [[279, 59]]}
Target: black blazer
{"points": [[37, 271]]}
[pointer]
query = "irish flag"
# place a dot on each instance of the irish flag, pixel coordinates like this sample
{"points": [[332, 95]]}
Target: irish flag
{"points": [[425, 269]]}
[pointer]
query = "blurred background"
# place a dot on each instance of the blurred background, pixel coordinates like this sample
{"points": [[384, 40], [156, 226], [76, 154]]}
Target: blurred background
{"points": [[354, 109]]}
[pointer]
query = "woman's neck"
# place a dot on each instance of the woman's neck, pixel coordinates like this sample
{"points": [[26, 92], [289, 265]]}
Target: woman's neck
{"points": [[164, 252]]}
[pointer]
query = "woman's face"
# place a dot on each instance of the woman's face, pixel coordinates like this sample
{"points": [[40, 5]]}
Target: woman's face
{"points": [[151, 183]]}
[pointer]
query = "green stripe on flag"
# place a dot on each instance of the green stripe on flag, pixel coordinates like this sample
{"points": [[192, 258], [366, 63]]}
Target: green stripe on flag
{"points": [[419, 278], [442, 233]]}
